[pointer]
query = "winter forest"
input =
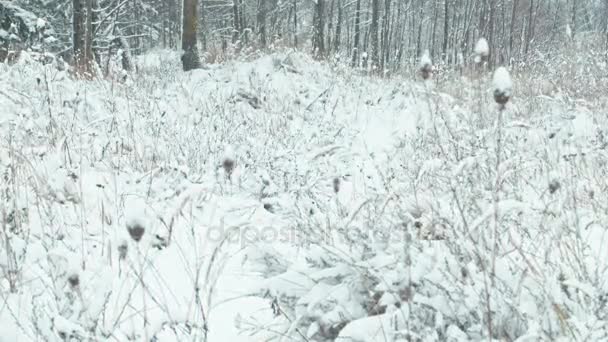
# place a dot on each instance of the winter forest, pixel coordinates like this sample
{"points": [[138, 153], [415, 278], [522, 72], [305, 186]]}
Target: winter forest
{"points": [[303, 170]]}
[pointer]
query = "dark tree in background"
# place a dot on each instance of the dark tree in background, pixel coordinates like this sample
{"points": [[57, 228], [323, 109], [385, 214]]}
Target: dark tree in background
{"points": [[374, 33], [390, 34], [190, 57], [261, 19], [319, 28], [356, 45], [83, 37]]}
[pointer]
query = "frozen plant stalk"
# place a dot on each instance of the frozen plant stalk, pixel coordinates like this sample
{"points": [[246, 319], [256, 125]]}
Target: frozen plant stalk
{"points": [[426, 65], [503, 86]]}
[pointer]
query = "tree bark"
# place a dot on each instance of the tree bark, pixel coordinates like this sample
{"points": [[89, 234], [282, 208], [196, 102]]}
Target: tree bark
{"points": [[319, 45], [236, 30], [190, 58], [386, 35], [446, 19], [529, 29], [338, 32], [295, 24], [512, 27], [574, 10], [261, 18], [357, 38], [374, 33], [83, 38], [330, 27]]}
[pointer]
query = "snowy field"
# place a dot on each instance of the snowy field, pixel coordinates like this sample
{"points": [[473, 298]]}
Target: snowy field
{"points": [[283, 199]]}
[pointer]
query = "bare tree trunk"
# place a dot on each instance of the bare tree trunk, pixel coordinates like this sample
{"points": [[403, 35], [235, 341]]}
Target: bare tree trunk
{"points": [[236, 30], [574, 10], [319, 40], [83, 37], [446, 21], [202, 25], [261, 18], [434, 29], [355, 61], [330, 27], [529, 29], [605, 24], [512, 27], [374, 33], [243, 24], [190, 58], [94, 23], [419, 34], [386, 34], [491, 35], [164, 24], [338, 32], [295, 24]]}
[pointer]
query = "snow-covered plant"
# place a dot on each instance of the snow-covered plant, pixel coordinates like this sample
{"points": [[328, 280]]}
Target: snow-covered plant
{"points": [[343, 216], [482, 50], [441, 242], [426, 65], [503, 86]]}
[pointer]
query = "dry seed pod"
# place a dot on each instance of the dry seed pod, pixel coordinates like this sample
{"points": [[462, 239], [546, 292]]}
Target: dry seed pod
{"points": [[426, 65], [136, 231], [503, 86], [122, 250], [228, 165], [74, 280], [482, 50], [336, 184]]}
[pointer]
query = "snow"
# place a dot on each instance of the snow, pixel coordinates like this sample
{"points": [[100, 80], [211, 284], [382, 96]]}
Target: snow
{"points": [[403, 248], [482, 50], [425, 60], [502, 80], [40, 23], [481, 47]]}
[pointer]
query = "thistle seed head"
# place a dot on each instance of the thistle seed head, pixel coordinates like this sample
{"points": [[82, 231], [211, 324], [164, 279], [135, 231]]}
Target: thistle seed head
{"points": [[336, 184], [74, 280], [136, 231], [122, 250], [228, 165]]}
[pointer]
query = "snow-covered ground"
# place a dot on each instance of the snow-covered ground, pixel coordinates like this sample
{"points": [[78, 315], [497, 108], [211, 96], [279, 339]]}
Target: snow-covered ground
{"points": [[267, 190]]}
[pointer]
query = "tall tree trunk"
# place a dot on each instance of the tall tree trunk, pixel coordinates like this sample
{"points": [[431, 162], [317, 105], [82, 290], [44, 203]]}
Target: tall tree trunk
{"points": [[374, 33], [574, 10], [512, 27], [434, 29], [295, 24], [319, 45], [330, 27], [446, 20], [419, 33], [202, 25], [94, 24], [529, 29], [243, 24], [261, 18], [83, 37], [605, 24], [164, 24], [386, 34], [355, 61], [190, 58], [338, 32], [491, 35], [236, 30]]}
